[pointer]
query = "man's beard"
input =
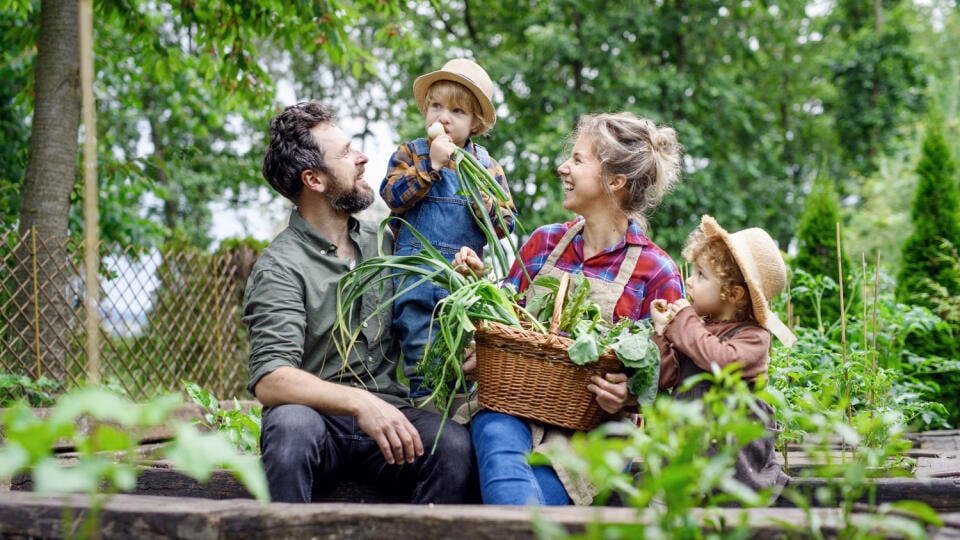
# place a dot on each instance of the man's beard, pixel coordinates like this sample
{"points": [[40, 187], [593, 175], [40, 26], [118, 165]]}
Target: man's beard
{"points": [[352, 201]]}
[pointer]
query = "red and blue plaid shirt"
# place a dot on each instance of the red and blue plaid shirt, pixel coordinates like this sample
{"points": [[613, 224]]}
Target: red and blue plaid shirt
{"points": [[655, 276]]}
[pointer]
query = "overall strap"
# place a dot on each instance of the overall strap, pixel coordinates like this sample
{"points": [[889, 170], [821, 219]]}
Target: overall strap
{"points": [[482, 155]]}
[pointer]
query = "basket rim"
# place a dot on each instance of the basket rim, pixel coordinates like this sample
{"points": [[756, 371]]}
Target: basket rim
{"points": [[499, 331]]}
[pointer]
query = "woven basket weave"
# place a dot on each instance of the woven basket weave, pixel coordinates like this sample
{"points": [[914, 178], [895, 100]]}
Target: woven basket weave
{"points": [[529, 374]]}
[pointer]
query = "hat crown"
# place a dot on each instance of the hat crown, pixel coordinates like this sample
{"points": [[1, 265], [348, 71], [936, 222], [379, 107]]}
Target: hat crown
{"points": [[470, 70], [761, 253], [466, 72]]}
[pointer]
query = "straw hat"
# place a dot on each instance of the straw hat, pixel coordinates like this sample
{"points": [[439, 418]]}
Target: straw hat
{"points": [[466, 72], [763, 269]]}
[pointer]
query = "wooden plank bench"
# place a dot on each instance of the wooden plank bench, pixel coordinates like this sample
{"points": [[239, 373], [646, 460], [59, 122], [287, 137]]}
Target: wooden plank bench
{"points": [[32, 515]]}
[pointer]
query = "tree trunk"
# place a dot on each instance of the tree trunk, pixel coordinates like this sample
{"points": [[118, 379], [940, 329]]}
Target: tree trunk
{"points": [[50, 177]]}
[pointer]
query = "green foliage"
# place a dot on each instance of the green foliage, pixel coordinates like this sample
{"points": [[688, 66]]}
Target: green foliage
{"points": [[242, 427], [14, 132], [936, 219], [183, 92], [876, 71], [817, 251], [107, 460], [686, 453], [37, 393], [876, 357]]}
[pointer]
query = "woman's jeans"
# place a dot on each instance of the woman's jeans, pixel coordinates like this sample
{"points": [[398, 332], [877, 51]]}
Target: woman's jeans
{"points": [[304, 453], [502, 443]]}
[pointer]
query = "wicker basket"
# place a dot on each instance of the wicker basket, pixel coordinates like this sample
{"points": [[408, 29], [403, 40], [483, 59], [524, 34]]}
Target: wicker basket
{"points": [[529, 374]]}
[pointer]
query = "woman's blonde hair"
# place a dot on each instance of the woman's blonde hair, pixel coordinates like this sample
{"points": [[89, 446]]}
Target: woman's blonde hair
{"points": [[648, 156], [714, 253], [459, 96]]}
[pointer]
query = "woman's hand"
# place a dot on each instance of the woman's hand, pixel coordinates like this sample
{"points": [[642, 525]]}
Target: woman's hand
{"points": [[611, 391], [470, 362], [467, 262]]}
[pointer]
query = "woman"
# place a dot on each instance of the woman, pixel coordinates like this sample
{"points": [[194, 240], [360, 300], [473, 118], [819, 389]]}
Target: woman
{"points": [[620, 168]]}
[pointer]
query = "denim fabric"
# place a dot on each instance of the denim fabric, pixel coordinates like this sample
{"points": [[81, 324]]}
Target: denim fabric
{"points": [[502, 443], [444, 216], [304, 453], [411, 324], [445, 219]]}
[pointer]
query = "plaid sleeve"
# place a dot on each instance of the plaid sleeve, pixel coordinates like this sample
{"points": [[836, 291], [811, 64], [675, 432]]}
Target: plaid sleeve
{"points": [[408, 180], [664, 282]]}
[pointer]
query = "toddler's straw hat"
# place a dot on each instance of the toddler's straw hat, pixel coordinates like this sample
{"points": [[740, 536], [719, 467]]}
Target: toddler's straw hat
{"points": [[466, 72], [763, 269]]}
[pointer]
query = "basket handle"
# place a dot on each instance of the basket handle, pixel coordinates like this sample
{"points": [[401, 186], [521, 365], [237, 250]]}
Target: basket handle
{"points": [[558, 302]]}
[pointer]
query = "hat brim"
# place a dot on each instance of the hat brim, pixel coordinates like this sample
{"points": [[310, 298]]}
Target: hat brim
{"points": [[751, 275], [422, 84]]}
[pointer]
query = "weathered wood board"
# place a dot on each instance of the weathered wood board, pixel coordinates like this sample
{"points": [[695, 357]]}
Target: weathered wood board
{"points": [[31, 515]]}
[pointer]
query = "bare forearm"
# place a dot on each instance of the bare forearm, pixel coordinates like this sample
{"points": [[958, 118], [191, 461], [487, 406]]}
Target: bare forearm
{"points": [[292, 385]]}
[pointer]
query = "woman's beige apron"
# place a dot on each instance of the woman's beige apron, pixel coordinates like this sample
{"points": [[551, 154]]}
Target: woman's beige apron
{"points": [[605, 294]]}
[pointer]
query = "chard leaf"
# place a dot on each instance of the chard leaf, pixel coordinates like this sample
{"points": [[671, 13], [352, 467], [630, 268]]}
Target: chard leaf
{"points": [[644, 383], [584, 350], [634, 349]]}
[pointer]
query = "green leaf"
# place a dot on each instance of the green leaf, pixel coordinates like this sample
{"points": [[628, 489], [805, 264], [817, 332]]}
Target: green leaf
{"points": [[636, 350], [198, 454], [84, 477], [915, 509], [13, 459], [584, 350]]}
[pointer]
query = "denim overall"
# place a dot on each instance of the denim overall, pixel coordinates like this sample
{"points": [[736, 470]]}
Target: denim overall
{"points": [[445, 218]]}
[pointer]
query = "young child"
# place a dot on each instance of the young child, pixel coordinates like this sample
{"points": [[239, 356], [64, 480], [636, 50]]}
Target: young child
{"points": [[421, 186], [727, 319]]}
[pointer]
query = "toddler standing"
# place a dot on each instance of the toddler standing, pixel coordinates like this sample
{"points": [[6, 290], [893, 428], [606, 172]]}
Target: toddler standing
{"points": [[422, 187]]}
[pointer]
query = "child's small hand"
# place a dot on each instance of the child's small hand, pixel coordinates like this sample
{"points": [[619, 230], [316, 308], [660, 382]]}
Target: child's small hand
{"points": [[660, 315], [676, 306], [441, 151], [467, 262]]}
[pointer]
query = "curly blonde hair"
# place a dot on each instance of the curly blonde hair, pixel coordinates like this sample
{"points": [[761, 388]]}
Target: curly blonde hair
{"points": [[714, 252], [648, 156]]}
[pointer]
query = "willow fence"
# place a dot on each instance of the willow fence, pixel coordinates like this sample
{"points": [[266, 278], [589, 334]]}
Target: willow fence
{"points": [[167, 315]]}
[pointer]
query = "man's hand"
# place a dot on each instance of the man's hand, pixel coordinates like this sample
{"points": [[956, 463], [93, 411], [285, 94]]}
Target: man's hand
{"points": [[611, 391], [398, 440]]}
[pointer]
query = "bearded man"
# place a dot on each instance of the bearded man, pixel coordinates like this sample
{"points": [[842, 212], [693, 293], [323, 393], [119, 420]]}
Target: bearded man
{"points": [[327, 417]]}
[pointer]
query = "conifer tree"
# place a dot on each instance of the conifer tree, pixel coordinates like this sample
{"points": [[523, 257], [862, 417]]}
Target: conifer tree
{"points": [[935, 219], [817, 251], [929, 269]]}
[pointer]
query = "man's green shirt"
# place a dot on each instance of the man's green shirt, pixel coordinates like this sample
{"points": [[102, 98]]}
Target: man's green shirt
{"points": [[290, 309]]}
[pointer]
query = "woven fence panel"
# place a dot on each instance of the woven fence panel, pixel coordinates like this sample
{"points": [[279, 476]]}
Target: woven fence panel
{"points": [[167, 316]]}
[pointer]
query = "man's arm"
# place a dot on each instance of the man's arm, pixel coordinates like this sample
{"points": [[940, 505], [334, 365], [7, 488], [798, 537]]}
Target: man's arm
{"points": [[397, 438], [276, 319]]}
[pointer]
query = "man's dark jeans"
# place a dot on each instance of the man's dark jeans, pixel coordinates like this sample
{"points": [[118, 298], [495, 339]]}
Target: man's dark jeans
{"points": [[304, 452]]}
